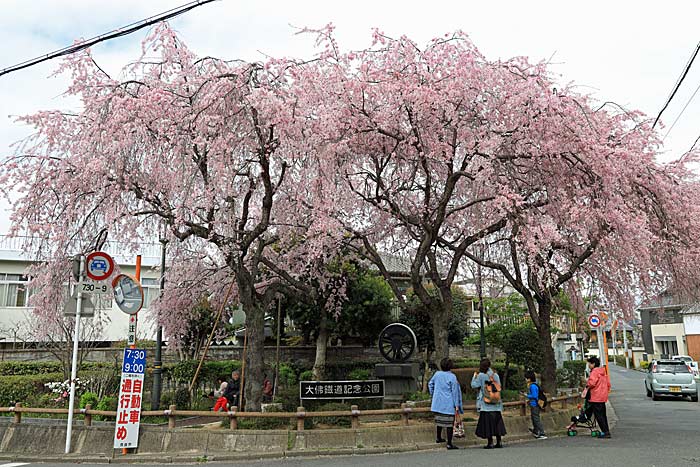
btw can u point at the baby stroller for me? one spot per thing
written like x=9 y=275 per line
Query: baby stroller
x=584 y=419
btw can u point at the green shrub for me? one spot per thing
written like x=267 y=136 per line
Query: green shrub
x=341 y=370
x=417 y=396
x=22 y=387
x=360 y=374
x=289 y=398
x=306 y=375
x=287 y=375
x=88 y=398
x=572 y=373
x=107 y=403
x=182 y=398
x=264 y=423
x=166 y=399
x=340 y=422
x=16 y=368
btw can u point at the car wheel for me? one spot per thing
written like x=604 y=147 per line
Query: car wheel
x=654 y=396
x=694 y=398
x=647 y=389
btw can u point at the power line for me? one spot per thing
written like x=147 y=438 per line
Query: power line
x=682 y=111
x=678 y=84
x=123 y=31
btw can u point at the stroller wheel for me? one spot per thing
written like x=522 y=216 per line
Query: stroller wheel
x=572 y=432
x=595 y=433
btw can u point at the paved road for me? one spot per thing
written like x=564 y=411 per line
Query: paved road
x=660 y=434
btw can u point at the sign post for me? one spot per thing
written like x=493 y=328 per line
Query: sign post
x=74 y=363
x=126 y=430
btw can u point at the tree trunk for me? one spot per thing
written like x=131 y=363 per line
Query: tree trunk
x=544 y=330
x=255 y=329
x=321 y=347
x=505 y=373
x=440 y=318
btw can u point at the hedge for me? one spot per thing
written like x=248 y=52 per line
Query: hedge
x=21 y=388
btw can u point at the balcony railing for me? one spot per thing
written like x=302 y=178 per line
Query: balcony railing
x=15 y=249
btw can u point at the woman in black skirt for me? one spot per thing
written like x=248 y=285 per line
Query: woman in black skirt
x=490 y=411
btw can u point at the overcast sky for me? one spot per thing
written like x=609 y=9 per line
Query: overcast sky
x=630 y=52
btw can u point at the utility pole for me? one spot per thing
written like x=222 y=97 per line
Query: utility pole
x=624 y=344
x=480 y=295
x=158 y=363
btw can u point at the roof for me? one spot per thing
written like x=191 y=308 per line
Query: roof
x=401 y=265
x=669 y=299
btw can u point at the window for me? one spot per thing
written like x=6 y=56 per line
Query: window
x=669 y=367
x=668 y=347
x=151 y=291
x=13 y=290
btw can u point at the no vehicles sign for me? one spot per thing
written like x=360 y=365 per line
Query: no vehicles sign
x=99 y=266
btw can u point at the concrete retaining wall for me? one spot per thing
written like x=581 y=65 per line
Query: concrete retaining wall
x=48 y=439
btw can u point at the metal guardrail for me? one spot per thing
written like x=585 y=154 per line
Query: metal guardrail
x=300 y=415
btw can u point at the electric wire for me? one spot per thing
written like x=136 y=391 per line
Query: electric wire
x=678 y=84
x=123 y=31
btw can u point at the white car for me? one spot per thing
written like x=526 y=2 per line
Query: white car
x=690 y=362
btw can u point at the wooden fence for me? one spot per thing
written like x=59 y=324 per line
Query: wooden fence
x=405 y=412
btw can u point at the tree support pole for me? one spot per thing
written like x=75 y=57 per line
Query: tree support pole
x=211 y=335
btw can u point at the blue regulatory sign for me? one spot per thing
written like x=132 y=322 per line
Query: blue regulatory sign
x=134 y=361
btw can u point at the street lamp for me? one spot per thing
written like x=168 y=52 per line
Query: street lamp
x=158 y=362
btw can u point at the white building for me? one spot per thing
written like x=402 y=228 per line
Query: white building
x=109 y=323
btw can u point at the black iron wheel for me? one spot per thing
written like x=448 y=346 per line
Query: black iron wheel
x=397 y=343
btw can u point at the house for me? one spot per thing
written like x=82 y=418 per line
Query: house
x=109 y=323
x=691 y=324
x=663 y=328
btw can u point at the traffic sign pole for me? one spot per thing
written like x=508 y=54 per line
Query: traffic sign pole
x=74 y=364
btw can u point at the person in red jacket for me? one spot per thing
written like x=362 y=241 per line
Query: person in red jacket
x=599 y=386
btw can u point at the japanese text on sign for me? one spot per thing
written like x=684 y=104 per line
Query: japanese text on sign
x=341 y=389
x=126 y=432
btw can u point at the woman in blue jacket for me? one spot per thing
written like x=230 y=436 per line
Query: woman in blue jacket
x=447 y=400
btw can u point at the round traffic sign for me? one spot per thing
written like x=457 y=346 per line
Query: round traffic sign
x=99 y=266
x=594 y=321
x=128 y=294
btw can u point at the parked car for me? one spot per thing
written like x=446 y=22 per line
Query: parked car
x=670 y=378
x=691 y=363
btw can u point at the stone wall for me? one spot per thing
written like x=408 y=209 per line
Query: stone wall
x=46 y=439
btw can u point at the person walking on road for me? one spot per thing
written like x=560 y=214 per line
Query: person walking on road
x=447 y=401
x=489 y=405
x=533 y=399
x=598 y=387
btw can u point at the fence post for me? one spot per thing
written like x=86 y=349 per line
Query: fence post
x=355 y=417
x=18 y=415
x=523 y=406
x=404 y=415
x=301 y=413
x=171 y=416
x=88 y=415
x=232 y=417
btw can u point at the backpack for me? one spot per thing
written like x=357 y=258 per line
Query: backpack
x=492 y=391
x=541 y=397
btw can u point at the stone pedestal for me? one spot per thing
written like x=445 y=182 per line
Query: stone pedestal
x=399 y=378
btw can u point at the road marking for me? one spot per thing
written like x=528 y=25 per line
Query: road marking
x=14 y=464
